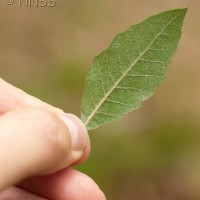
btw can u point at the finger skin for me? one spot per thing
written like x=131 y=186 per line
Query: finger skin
x=12 y=98
x=67 y=184
x=85 y=155
x=33 y=141
x=87 y=148
x=23 y=160
x=14 y=193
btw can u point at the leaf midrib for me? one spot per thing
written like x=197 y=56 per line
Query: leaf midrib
x=127 y=71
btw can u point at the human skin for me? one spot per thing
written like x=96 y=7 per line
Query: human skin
x=39 y=144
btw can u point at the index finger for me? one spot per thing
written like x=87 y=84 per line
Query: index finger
x=12 y=98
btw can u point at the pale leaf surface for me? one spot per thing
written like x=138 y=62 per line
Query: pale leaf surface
x=126 y=74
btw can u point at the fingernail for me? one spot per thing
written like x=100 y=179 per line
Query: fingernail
x=77 y=131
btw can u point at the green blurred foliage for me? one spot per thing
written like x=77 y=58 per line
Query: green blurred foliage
x=118 y=162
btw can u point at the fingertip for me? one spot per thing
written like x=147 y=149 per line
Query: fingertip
x=40 y=141
x=77 y=130
x=79 y=138
x=67 y=184
x=85 y=154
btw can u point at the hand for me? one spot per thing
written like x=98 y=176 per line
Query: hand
x=38 y=144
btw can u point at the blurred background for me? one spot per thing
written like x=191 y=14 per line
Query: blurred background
x=154 y=152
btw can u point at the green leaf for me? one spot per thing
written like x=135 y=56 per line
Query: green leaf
x=125 y=74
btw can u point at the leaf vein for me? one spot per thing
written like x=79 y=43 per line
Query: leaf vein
x=90 y=92
x=128 y=88
x=160 y=50
x=117 y=102
x=147 y=75
x=153 y=61
x=102 y=84
x=107 y=114
x=101 y=102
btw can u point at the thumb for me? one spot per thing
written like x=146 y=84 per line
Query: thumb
x=34 y=141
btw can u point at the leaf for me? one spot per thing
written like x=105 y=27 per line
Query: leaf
x=125 y=74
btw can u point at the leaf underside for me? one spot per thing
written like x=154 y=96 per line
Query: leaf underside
x=126 y=74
